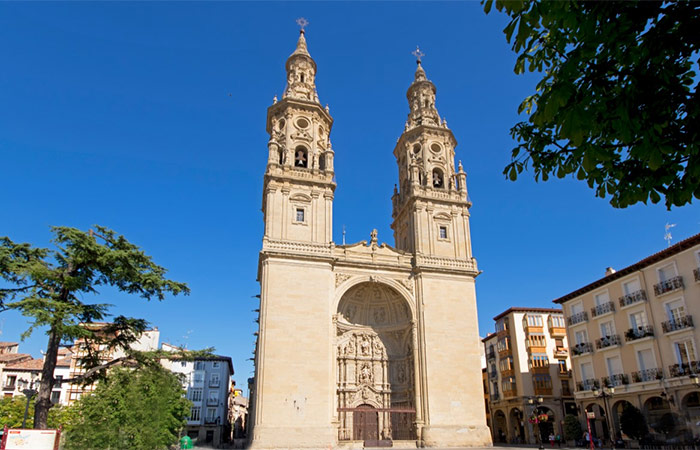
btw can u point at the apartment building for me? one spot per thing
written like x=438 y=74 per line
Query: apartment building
x=634 y=341
x=207 y=381
x=148 y=341
x=25 y=373
x=529 y=376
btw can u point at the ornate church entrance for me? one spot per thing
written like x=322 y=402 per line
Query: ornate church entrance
x=375 y=365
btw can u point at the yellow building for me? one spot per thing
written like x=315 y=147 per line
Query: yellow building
x=634 y=341
x=529 y=376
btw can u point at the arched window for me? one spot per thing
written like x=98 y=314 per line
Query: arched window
x=438 y=179
x=301 y=157
x=322 y=162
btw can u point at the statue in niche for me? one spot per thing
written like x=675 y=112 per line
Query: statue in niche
x=364 y=346
x=366 y=374
x=401 y=377
x=350 y=348
x=378 y=348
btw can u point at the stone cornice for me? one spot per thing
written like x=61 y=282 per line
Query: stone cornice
x=301 y=104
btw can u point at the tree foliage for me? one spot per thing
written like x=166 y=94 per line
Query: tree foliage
x=12 y=413
x=49 y=285
x=139 y=410
x=633 y=423
x=617 y=104
x=572 y=428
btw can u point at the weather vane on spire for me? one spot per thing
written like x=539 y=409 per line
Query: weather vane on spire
x=418 y=54
x=302 y=22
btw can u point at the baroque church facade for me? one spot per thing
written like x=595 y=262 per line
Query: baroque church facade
x=364 y=343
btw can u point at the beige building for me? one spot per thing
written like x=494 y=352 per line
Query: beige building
x=364 y=342
x=529 y=376
x=633 y=331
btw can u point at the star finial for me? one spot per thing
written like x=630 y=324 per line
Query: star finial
x=302 y=22
x=418 y=54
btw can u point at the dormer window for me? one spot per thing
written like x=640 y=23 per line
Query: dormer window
x=438 y=181
x=301 y=157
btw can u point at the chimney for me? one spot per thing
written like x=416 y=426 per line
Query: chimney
x=609 y=271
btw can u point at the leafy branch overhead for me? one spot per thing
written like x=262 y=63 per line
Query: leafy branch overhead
x=47 y=285
x=617 y=104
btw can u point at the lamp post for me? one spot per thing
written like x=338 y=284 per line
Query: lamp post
x=29 y=393
x=534 y=402
x=605 y=393
x=695 y=379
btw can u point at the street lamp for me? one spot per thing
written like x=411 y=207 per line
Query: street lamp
x=605 y=393
x=29 y=393
x=695 y=379
x=534 y=402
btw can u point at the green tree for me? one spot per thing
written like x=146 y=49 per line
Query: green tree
x=48 y=286
x=572 y=428
x=617 y=105
x=12 y=413
x=633 y=423
x=138 y=410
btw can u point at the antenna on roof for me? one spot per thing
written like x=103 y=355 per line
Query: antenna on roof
x=667 y=234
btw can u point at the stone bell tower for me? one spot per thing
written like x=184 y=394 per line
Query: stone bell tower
x=298 y=186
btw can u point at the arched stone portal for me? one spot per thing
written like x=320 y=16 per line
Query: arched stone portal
x=375 y=361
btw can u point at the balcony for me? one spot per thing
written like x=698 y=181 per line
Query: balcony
x=685 y=369
x=540 y=369
x=561 y=352
x=513 y=392
x=677 y=324
x=639 y=333
x=507 y=373
x=9 y=387
x=577 y=318
x=491 y=354
x=647 y=375
x=618 y=379
x=540 y=390
x=588 y=385
x=603 y=308
x=503 y=332
x=536 y=346
x=493 y=374
x=557 y=331
x=696 y=274
x=565 y=373
x=634 y=297
x=212 y=402
x=670 y=285
x=495 y=397
x=608 y=341
x=581 y=349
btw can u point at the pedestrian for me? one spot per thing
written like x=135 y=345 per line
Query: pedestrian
x=558 y=439
x=551 y=440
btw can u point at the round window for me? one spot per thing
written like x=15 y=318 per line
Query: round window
x=302 y=123
x=416 y=148
x=435 y=147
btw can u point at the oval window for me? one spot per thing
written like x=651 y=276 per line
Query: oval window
x=416 y=148
x=280 y=124
x=302 y=123
x=435 y=147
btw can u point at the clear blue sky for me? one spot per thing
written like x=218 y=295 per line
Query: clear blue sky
x=149 y=118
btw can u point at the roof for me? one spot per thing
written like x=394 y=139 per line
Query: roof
x=8 y=358
x=523 y=309
x=30 y=365
x=217 y=358
x=8 y=344
x=63 y=362
x=646 y=262
x=488 y=337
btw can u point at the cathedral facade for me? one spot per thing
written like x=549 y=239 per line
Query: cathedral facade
x=364 y=343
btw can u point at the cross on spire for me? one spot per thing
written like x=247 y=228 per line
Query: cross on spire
x=418 y=54
x=302 y=22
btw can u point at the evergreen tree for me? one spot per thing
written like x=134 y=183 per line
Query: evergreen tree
x=48 y=286
x=633 y=423
x=572 y=428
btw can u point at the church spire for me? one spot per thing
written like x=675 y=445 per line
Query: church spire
x=421 y=98
x=301 y=70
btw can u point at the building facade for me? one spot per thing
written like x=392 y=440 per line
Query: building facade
x=364 y=342
x=207 y=382
x=529 y=377
x=25 y=373
x=633 y=331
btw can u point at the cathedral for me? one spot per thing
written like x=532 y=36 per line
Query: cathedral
x=364 y=344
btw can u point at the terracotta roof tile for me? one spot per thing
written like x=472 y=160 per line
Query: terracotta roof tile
x=14 y=357
x=7 y=344
x=32 y=364
x=63 y=362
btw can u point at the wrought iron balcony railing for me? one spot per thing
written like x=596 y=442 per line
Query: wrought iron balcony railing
x=677 y=324
x=577 y=318
x=634 y=297
x=587 y=385
x=669 y=285
x=679 y=370
x=647 y=375
x=603 y=308
x=582 y=348
x=633 y=334
x=608 y=341
x=615 y=380
x=491 y=354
